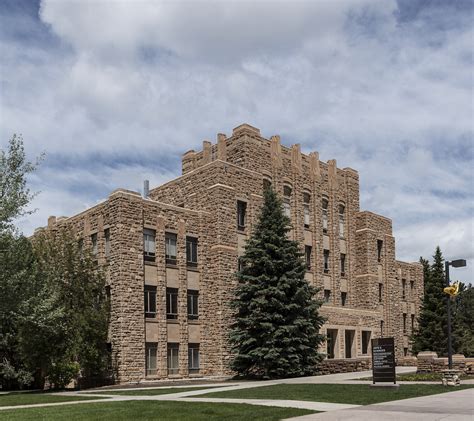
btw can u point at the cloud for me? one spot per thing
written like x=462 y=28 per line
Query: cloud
x=384 y=87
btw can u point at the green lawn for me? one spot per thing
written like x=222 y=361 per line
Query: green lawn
x=152 y=410
x=150 y=392
x=421 y=377
x=30 y=398
x=356 y=394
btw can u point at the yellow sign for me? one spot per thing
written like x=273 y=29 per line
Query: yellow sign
x=452 y=290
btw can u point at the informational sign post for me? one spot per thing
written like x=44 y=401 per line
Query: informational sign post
x=383 y=360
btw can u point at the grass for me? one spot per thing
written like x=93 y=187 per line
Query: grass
x=30 y=398
x=150 y=392
x=152 y=410
x=336 y=393
x=421 y=377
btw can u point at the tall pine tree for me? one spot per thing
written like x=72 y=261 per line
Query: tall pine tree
x=276 y=329
x=432 y=332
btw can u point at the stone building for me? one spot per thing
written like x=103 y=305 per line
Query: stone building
x=170 y=257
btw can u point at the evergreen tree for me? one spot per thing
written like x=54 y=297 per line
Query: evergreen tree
x=276 y=329
x=463 y=333
x=432 y=332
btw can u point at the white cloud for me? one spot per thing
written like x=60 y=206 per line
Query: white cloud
x=131 y=80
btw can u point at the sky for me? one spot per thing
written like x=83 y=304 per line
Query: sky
x=113 y=92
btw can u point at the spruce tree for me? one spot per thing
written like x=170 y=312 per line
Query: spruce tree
x=275 y=333
x=432 y=332
x=463 y=316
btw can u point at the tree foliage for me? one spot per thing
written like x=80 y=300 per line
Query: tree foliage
x=464 y=321
x=14 y=193
x=276 y=329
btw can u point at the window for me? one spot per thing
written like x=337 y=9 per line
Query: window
x=412 y=288
x=349 y=342
x=342 y=210
x=94 y=244
x=191 y=251
x=170 y=248
x=412 y=323
x=343 y=298
x=171 y=303
x=404 y=287
x=149 y=245
x=380 y=293
x=241 y=215
x=381 y=328
x=267 y=184
x=307 y=253
x=343 y=264
x=379 y=250
x=173 y=358
x=405 y=352
x=404 y=323
x=287 y=200
x=365 y=341
x=193 y=304
x=306 y=208
x=107 y=242
x=331 y=336
x=327 y=295
x=150 y=358
x=193 y=358
x=240 y=264
x=326 y=261
x=150 y=301
x=325 y=205
x=80 y=245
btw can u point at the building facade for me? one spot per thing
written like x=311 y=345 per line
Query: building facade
x=170 y=257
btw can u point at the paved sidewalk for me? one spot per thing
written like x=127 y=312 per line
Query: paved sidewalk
x=452 y=406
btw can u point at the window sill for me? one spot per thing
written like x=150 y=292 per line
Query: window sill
x=193 y=268
x=194 y=322
x=326 y=272
x=307 y=228
x=149 y=263
x=151 y=320
x=175 y=376
x=172 y=321
x=195 y=375
x=171 y=265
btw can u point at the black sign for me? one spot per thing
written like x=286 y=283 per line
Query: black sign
x=383 y=360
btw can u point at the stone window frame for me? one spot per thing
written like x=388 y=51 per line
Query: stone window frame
x=343 y=298
x=193 y=304
x=365 y=343
x=327 y=295
x=342 y=262
x=172 y=358
x=194 y=360
x=149 y=244
x=404 y=289
x=172 y=302
x=341 y=212
x=242 y=206
x=332 y=341
x=266 y=182
x=326 y=261
x=151 y=355
x=150 y=301
x=95 y=244
x=287 y=194
x=192 y=251
x=380 y=292
x=306 y=208
x=308 y=250
x=379 y=250
x=171 y=259
x=107 y=247
x=325 y=213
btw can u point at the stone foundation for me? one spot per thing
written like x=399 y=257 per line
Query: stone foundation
x=429 y=362
x=333 y=366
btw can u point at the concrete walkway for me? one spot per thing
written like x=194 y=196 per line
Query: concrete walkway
x=452 y=406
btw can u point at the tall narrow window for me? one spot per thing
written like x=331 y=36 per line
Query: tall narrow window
x=331 y=340
x=380 y=293
x=173 y=358
x=404 y=287
x=365 y=341
x=170 y=248
x=306 y=209
x=191 y=251
x=94 y=244
x=307 y=253
x=412 y=289
x=342 y=210
x=267 y=184
x=149 y=245
x=193 y=358
x=325 y=205
x=405 y=352
x=171 y=303
x=343 y=264
x=107 y=242
x=193 y=304
x=412 y=323
x=241 y=215
x=150 y=301
x=343 y=298
x=381 y=328
x=150 y=358
x=326 y=261
x=327 y=295
x=404 y=323
x=379 y=250
x=287 y=201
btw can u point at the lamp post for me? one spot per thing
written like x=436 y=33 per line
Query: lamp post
x=455 y=264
